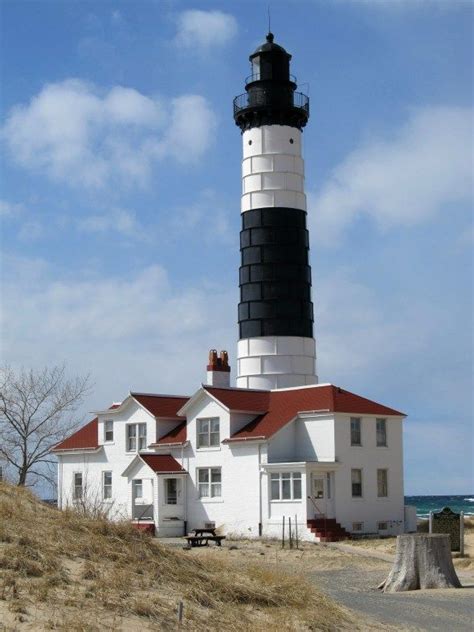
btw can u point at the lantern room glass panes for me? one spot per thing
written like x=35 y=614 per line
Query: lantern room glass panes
x=255 y=68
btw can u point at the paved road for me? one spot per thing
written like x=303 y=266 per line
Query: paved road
x=433 y=610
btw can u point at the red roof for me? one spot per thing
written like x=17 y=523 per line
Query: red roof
x=283 y=406
x=161 y=405
x=162 y=463
x=241 y=399
x=177 y=435
x=86 y=438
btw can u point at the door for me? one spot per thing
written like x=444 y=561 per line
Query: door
x=142 y=499
x=171 y=498
x=318 y=494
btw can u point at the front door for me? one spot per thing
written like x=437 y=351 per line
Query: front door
x=142 y=499
x=318 y=494
x=321 y=499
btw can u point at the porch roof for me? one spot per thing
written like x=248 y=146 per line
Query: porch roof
x=162 y=463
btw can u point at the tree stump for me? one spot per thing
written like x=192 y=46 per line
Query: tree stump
x=421 y=561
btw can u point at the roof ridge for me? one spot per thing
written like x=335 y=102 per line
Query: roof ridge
x=237 y=388
x=133 y=393
x=300 y=388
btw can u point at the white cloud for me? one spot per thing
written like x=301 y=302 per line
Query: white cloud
x=80 y=135
x=138 y=331
x=116 y=220
x=10 y=209
x=205 y=30
x=404 y=179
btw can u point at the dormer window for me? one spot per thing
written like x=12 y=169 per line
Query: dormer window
x=108 y=431
x=208 y=434
x=136 y=437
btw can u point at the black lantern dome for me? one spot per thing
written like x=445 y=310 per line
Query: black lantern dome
x=271 y=97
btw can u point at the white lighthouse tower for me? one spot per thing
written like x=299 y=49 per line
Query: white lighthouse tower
x=276 y=347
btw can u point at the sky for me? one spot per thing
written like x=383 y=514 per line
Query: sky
x=120 y=199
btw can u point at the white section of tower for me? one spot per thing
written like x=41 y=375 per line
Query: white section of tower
x=273 y=176
x=272 y=362
x=272 y=168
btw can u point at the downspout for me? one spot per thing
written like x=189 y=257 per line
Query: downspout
x=260 y=508
x=60 y=482
x=185 y=495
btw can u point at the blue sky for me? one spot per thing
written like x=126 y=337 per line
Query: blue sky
x=121 y=184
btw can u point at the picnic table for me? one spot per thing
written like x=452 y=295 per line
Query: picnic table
x=202 y=537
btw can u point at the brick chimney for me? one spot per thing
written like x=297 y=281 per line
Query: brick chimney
x=218 y=369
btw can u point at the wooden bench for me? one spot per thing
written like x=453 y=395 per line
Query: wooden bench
x=203 y=540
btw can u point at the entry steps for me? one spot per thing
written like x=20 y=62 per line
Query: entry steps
x=327 y=530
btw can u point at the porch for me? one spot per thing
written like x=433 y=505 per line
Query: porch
x=303 y=492
x=157 y=492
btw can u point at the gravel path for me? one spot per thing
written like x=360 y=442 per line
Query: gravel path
x=433 y=610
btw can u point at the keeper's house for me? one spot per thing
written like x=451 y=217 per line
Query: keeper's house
x=242 y=459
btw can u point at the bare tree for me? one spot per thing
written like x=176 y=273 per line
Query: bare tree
x=37 y=411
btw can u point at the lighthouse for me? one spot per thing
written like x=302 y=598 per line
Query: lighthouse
x=276 y=347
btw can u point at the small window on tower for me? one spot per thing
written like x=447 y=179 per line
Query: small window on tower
x=250 y=142
x=291 y=141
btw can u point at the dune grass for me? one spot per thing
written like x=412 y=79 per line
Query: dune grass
x=62 y=570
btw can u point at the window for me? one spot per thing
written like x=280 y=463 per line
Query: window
x=208 y=433
x=381 y=432
x=109 y=430
x=328 y=484
x=356 y=478
x=357 y=526
x=134 y=432
x=171 y=491
x=77 y=491
x=106 y=485
x=355 y=431
x=137 y=488
x=285 y=486
x=382 y=526
x=382 y=487
x=209 y=482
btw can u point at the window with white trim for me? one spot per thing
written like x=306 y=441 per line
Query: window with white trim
x=356 y=481
x=136 y=437
x=356 y=431
x=381 y=432
x=171 y=491
x=107 y=485
x=208 y=432
x=357 y=526
x=108 y=430
x=137 y=488
x=382 y=483
x=382 y=526
x=209 y=482
x=77 y=486
x=285 y=485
